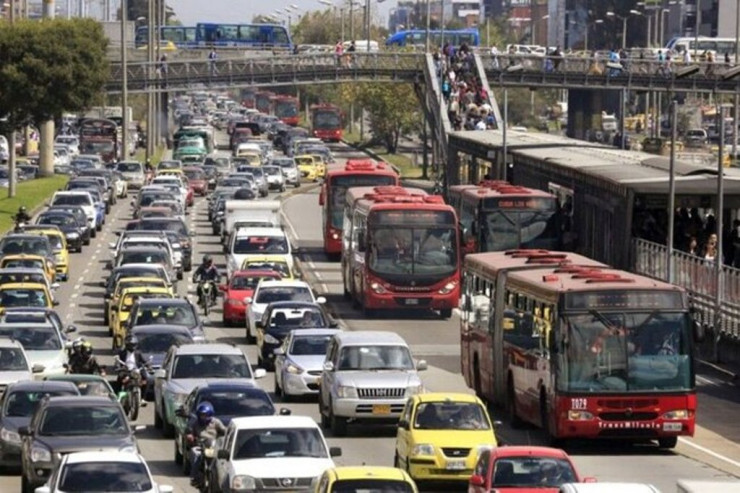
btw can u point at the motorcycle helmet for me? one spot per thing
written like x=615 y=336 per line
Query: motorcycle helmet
x=86 y=348
x=207 y=260
x=22 y=210
x=77 y=345
x=205 y=412
x=131 y=343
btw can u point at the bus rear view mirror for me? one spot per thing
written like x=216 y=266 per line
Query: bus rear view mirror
x=699 y=332
x=551 y=341
x=361 y=241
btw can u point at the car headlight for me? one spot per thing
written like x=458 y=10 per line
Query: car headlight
x=377 y=287
x=10 y=436
x=677 y=414
x=129 y=449
x=423 y=449
x=271 y=339
x=243 y=483
x=579 y=415
x=294 y=369
x=73 y=236
x=40 y=454
x=346 y=392
x=448 y=288
x=414 y=389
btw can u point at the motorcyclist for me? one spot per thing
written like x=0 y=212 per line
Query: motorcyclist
x=74 y=354
x=129 y=358
x=85 y=362
x=204 y=427
x=21 y=217
x=206 y=272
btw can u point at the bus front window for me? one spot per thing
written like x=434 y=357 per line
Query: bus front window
x=519 y=229
x=618 y=352
x=417 y=251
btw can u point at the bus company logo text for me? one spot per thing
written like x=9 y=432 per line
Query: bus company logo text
x=629 y=424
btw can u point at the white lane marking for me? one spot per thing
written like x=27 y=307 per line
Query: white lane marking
x=71 y=305
x=707 y=381
x=290 y=225
x=94 y=257
x=318 y=275
x=84 y=272
x=74 y=295
x=709 y=452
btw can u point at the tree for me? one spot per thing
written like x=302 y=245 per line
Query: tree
x=50 y=67
x=393 y=111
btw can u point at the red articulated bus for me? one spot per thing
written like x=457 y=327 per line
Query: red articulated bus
x=579 y=348
x=355 y=173
x=400 y=250
x=263 y=101
x=327 y=122
x=248 y=98
x=287 y=108
x=497 y=216
x=100 y=136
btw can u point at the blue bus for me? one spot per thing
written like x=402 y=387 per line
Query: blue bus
x=206 y=35
x=418 y=37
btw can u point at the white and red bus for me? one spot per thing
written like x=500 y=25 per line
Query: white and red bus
x=579 y=348
x=355 y=173
x=288 y=109
x=400 y=250
x=327 y=122
x=263 y=101
x=497 y=216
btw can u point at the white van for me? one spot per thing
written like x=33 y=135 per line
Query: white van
x=361 y=46
x=608 y=488
x=247 y=213
x=699 y=486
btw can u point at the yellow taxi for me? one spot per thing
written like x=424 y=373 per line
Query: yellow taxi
x=308 y=167
x=253 y=158
x=170 y=172
x=132 y=282
x=128 y=297
x=26 y=294
x=440 y=435
x=33 y=261
x=278 y=263
x=364 y=478
x=320 y=165
x=61 y=251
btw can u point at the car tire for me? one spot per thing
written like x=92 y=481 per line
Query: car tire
x=250 y=338
x=178 y=455
x=168 y=431
x=25 y=485
x=325 y=424
x=86 y=242
x=667 y=442
x=277 y=390
x=179 y=276
x=157 y=419
x=338 y=424
x=93 y=233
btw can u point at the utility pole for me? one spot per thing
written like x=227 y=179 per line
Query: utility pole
x=12 y=179
x=124 y=70
x=150 y=125
x=736 y=103
x=46 y=129
x=429 y=16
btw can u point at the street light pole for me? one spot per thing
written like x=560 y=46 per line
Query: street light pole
x=736 y=101
x=367 y=24
x=429 y=15
x=624 y=33
x=124 y=70
x=697 y=21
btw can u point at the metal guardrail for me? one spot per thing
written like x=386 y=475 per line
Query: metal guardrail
x=437 y=108
x=275 y=70
x=698 y=277
x=480 y=71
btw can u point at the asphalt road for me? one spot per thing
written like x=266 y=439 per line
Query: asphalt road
x=713 y=453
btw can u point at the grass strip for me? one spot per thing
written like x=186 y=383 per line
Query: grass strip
x=31 y=194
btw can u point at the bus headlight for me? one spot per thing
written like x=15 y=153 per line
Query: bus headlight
x=378 y=288
x=677 y=414
x=579 y=415
x=447 y=289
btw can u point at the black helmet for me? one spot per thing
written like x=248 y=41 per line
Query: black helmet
x=132 y=342
x=207 y=259
x=22 y=209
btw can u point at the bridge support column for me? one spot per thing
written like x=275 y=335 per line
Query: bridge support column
x=585 y=107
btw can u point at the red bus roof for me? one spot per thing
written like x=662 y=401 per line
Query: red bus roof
x=324 y=106
x=491 y=263
x=362 y=167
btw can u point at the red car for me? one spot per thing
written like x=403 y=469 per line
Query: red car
x=242 y=285
x=197 y=179
x=523 y=470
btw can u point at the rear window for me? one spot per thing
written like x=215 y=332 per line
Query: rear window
x=72 y=200
x=129 y=167
x=260 y=244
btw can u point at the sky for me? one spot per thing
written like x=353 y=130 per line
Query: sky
x=190 y=12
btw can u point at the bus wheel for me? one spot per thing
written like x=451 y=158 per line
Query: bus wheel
x=445 y=313
x=514 y=420
x=667 y=442
x=545 y=418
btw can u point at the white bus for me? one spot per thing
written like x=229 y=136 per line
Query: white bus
x=719 y=46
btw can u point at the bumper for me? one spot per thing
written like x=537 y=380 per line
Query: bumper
x=10 y=454
x=433 y=469
x=275 y=185
x=235 y=313
x=38 y=474
x=303 y=384
x=429 y=301
x=74 y=244
x=62 y=272
x=388 y=410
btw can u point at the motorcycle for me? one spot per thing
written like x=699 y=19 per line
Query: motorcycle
x=207 y=296
x=208 y=455
x=129 y=396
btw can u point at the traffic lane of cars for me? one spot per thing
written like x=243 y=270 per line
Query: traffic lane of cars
x=650 y=466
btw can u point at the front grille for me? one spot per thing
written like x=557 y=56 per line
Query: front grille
x=315 y=373
x=313 y=386
x=626 y=403
x=455 y=452
x=625 y=416
x=382 y=393
x=286 y=483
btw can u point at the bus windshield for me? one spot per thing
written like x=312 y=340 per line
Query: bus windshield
x=506 y=229
x=326 y=120
x=618 y=352
x=422 y=250
x=338 y=189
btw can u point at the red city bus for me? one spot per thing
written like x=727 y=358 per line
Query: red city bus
x=579 y=348
x=287 y=108
x=100 y=136
x=263 y=101
x=326 y=122
x=400 y=250
x=497 y=216
x=248 y=98
x=355 y=173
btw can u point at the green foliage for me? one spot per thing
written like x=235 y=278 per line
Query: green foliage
x=325 y=27
x=30 y=194
x=50 y=67
x=392 y=109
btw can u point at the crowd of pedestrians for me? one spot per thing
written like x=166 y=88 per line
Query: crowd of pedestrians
x=467 y=101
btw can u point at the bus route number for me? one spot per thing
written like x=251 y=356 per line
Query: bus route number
x=579 y=403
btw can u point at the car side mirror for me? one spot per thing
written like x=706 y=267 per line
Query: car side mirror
x=55 y=286
x=278 y=351
x=223 y=454
x=165 y=488
x=24 y=431
x=477 y=480
x=54 y=303
x=38 y=368
x=180 y=412
x=139 y=428
x=160 y=373
x=335 y=451
x=248 y=300
x=260 y=373
x=421 y=365
x=403 y=424
x=46 y=489
x=328 y=366
x=112 y=246
x=333 y=324
x=284 y=411
x=321 y=300
x=70 y=329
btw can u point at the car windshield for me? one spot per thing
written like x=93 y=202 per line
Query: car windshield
x=148 y=198
x=152 y=314
x=145 y=257
x=129 y=168
x=57 y=220
x=279 y=442
x=506 y=229
x=94 y=388
x=274 y=294
x=305 y=318
x=409 y=251
x=161 y=343
x=383 y=357
x=371 y=486
x=28 y=246
x=32 y=263
x=450 y=416
x=23 y=297
x=72 y=200
x=155 y=225
x=242 y=283
x=272 y=170
x=313 y=345
x=239 y=403
x=338 y=192
x=33 y=338
x=8 y=277
x=532 y=472
x=194 y=174
x=280 y=267
x=260 y=244
x=22 y=403
x=56 y=242
x=94 y=477
x=211 y=366
x=618 y=352
x=12 y=359
x=83 y=420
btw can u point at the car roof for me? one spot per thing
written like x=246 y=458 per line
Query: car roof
x=527 y=450
x=82 y=400
x=274 y=422
x=610 y=487
x=255 y=273
x=207 y=348
x=103 y=456
x=23 y=285
x=370 y=337
x=252 y=231
x=293 y=304
x=284 y=283
x=314 y=332
x=138 y=266
x=160 y=329
x=166 y=301
x=43 y=385
x=369 y=472
x=448 y=396
x=226 y=384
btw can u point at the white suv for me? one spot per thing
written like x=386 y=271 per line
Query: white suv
x=250 y=242
x=266 y=453
x=81 y=199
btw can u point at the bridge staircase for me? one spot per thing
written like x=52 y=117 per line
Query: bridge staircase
x=435 y=113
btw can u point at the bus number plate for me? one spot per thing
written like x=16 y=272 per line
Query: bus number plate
x=412 y=301
x=672 y=427
x=579 y=403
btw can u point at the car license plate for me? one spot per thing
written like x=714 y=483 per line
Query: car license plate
x=455 y=465
x=381 y=409
x=672 y=426
x=412 y=301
